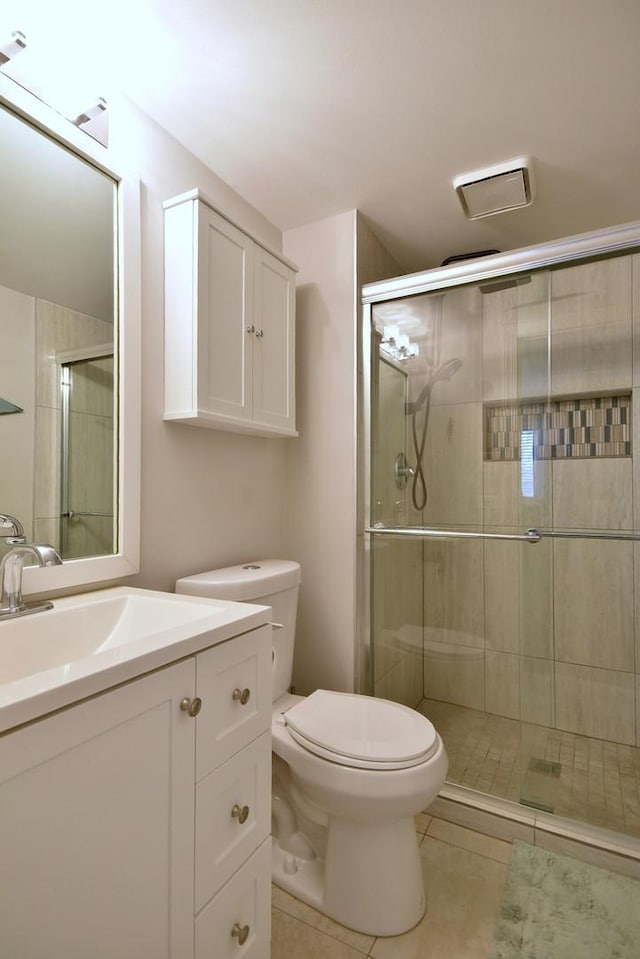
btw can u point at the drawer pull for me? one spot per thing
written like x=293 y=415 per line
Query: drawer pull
x=241 y=933
x=191 y=706
x=241 y=813
x=241 y=695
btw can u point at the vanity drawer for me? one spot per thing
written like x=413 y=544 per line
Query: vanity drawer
x=233 y=681
x=233 y=816
x=241 y=908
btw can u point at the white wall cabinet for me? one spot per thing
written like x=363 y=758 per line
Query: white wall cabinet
x=229 y=324
x=114 y=844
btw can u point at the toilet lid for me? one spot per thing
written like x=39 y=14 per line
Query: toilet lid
x=361 y=731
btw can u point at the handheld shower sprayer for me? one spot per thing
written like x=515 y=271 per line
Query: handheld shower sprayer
x=445 y=371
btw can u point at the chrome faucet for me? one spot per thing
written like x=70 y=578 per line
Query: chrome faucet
x=15 y=529
x=11 y=566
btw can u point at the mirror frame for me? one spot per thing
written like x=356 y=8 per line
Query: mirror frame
x=126 y=560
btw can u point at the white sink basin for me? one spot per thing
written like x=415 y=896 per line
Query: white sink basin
x=92 y=641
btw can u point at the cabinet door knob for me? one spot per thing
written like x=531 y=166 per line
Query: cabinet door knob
x=191 y=706
x=241 y=695
x=241 y=813
x=241 y=933
x=250 y=329
x=259 y=332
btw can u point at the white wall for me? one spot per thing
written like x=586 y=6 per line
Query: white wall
x=321 y=466
x=208 y=498
x=335 y=257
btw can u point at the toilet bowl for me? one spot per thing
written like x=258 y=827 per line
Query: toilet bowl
x=350 y=773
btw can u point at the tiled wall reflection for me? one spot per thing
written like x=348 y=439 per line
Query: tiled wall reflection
x=61 y=331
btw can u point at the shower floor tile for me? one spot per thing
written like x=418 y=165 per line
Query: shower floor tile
x=597 y=782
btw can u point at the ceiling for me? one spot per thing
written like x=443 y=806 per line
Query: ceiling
x=312 y=107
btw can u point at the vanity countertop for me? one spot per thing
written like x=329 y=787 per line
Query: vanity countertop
x=92 y=641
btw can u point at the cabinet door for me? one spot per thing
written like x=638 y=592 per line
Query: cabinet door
x=96 y=827
x=274 y=343
x=225 y=337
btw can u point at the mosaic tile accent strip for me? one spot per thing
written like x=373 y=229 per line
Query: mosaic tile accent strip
x=579 y=428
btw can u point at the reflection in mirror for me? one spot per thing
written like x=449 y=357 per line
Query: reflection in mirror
x=59 y=351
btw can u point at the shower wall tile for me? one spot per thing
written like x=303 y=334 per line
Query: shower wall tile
x=100 y=463
x=47 y=456
x=596 y=702
x=403 y=681
x=635 y=312
x=593 y=603
x=397 y=584
x=518 y=596
x=593 y=494
x=460 y=338
x=504 y=501
x=47 y=530
x=501 y=596
x=636 y=459
x=60 y=330
x=636 y=580
x=453 y=465
x=99 y=535
x=454 y=674
x=93 y=388
x=591 y=346
x=502 y=684
x=454 y=592
x=536 y=599
x=515 y=344
x=536 y=691
x=389 y=439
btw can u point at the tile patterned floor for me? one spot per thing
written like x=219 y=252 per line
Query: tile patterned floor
x=464 y=874
x=573 y=776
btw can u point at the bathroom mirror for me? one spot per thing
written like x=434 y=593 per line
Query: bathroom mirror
x=69 y=345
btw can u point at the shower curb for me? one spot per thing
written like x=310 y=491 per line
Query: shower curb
x=507 y=820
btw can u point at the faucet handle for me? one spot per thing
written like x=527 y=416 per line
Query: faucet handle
x=14 y=527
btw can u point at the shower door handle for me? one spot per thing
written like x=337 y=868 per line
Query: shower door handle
x=531 y=535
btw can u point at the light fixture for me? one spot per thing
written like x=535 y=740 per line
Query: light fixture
x=496 y=189
x=397 y=345
x=12 y=47
x=96 y=108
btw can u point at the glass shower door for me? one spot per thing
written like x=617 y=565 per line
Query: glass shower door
x=513 y=398
x=87 y=453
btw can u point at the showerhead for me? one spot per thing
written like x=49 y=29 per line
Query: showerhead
x=504 y=284
x=447 y=370
x=444 y=372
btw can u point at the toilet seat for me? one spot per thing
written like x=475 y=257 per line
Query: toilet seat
x=361 y=731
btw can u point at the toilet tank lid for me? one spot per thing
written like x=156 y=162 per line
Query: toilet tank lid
x=247 y=581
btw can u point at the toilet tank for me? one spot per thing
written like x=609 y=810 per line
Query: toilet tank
x=268 y=582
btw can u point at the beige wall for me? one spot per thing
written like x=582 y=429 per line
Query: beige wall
x=321 y=464
x=335 y=256
x=208 y=498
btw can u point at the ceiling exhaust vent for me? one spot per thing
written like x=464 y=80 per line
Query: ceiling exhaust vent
x=496 y=189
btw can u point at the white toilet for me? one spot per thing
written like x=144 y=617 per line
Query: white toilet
x=349 y=775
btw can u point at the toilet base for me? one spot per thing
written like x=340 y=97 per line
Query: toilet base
x=370 y=881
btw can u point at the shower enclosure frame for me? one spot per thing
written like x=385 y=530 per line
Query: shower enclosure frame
x=566 y=251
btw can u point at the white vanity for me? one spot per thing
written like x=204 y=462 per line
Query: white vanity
x=135 y=766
